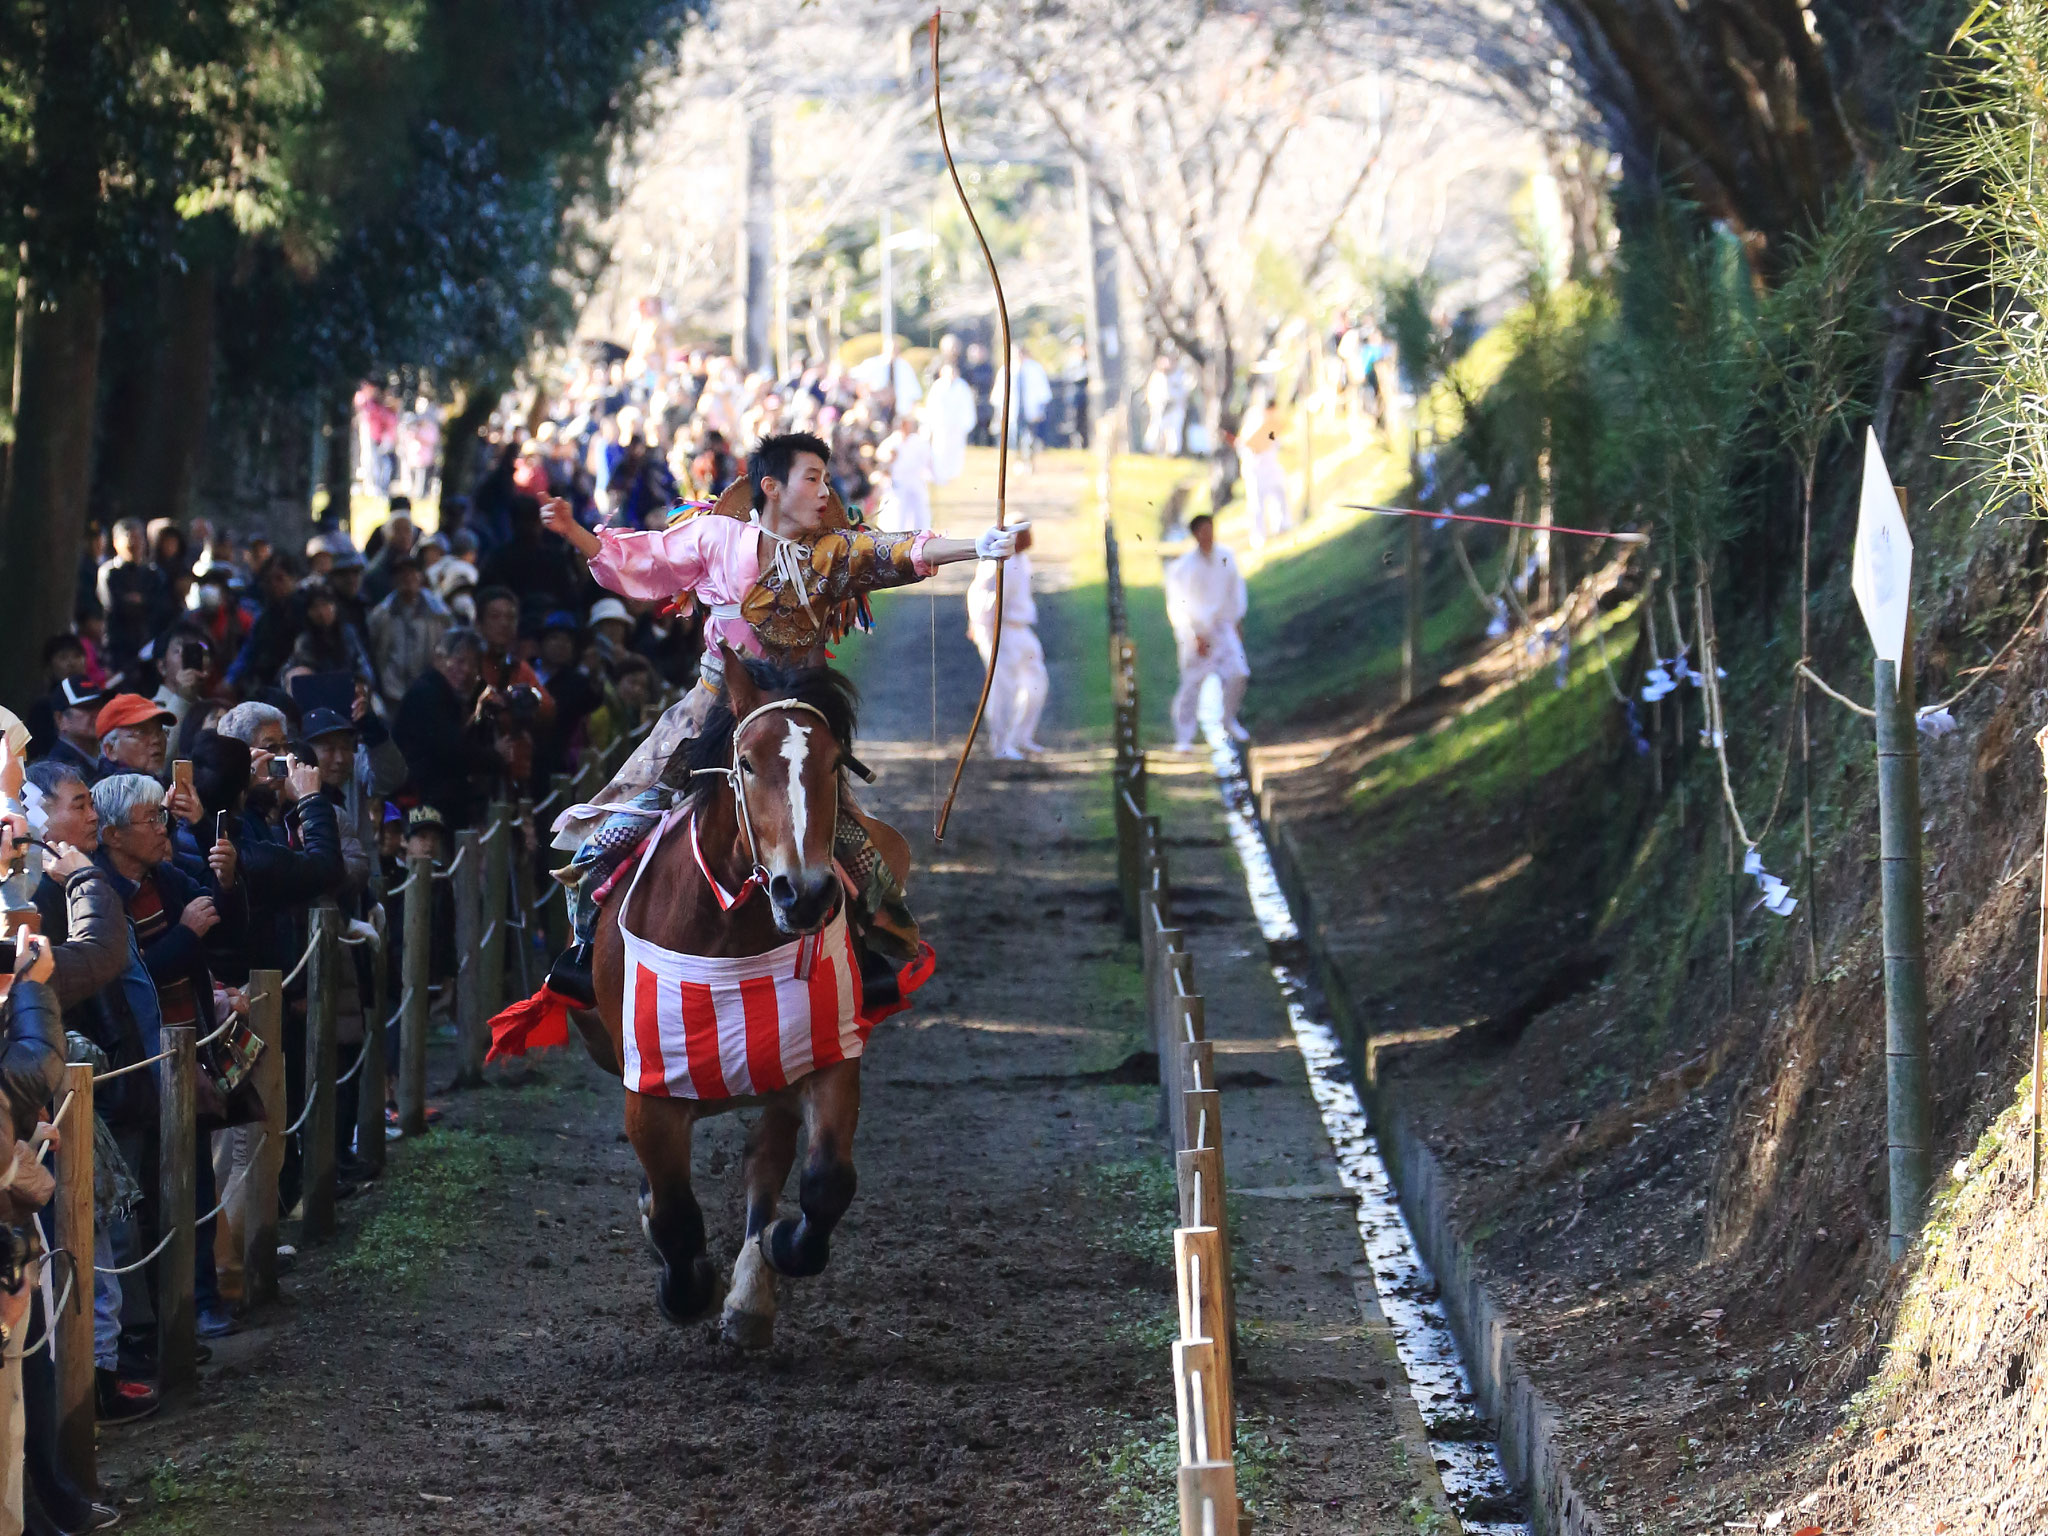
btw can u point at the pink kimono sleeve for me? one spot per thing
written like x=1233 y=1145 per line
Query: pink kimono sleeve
x=655 y=565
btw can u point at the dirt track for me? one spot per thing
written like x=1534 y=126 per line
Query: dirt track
x=987 y=1351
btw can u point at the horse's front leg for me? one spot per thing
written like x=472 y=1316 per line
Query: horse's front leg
x=831 y=1099
x=749 y=1318
x=659 y=1130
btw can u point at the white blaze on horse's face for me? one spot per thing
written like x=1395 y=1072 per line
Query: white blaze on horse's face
x=796 y=835
x=796 y=745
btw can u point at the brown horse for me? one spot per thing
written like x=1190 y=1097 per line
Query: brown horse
x=765 y=800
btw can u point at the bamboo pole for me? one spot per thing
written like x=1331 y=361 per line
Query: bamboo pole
x=416 y=962
x=73 y=1326
x=177 y=1319
x=259 y=1197
x=1907 y=1111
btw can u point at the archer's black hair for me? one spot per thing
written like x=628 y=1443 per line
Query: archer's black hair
x=831 y=693
x=774 y=457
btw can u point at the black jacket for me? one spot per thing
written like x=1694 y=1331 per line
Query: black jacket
x=93 y=947
x=443 y=755
x=31 y=1053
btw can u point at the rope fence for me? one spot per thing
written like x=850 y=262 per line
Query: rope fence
x=492 y=896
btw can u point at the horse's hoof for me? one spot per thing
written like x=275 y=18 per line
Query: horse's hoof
x=682 y=1303
x=747 y=1330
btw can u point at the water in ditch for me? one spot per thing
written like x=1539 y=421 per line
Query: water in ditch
x=1467 y=1457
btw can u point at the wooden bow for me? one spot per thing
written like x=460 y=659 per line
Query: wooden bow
x=1002 y=439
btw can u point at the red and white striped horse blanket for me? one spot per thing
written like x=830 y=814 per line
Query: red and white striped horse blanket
x=698 y=1027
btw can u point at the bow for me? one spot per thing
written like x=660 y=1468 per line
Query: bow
x=1002 y=440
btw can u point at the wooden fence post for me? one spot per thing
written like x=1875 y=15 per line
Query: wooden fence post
x=176 y=1318
x=555 y=912
x=259 y=1230
x=519 y=899
x=374 y=1086
x=414 y=980
x=1201 y=1279
x=469 y=962
x=73 y=1324
x=497 y=876
x=316 y=1136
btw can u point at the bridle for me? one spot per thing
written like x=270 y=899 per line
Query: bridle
x=731 y=774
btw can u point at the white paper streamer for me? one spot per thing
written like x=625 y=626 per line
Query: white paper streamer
x=1777 y=896
x=1935 y=722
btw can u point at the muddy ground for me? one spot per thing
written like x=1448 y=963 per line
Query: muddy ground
x=987 y=1351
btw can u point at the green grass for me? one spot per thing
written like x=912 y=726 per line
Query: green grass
x=1522 y=733
x=1139 y=1203
x=428 y=1202
x=1142 y=1472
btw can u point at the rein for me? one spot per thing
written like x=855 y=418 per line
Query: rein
x=731 y=774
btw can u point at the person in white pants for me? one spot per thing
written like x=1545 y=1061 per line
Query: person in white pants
x=1205 y=604
x=1265 y=483
x=1017 y=697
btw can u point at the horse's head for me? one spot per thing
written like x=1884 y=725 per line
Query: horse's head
x=786 y=755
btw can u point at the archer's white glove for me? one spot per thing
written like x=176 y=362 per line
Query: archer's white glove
x=999 y=543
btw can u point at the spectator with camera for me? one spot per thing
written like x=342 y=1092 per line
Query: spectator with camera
x=173 y=911
x=453 y=738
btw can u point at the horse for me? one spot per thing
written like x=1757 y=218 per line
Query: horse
x=744 y=867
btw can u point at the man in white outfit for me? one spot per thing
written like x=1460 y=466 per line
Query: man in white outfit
x=1017 y=697
x=949 y=414
x=905 y=455
x=1205 y=604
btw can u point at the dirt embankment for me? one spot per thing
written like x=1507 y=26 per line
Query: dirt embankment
x=1669 y=1142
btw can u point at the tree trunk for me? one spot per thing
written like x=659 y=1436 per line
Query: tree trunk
x=156 y=475
x=1104 y=328
x=49 y=473
x=757 y=235
x=458 y=443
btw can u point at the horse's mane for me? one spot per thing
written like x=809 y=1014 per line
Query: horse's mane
x=831 y=693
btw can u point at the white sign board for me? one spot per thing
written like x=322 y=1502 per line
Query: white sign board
x=1882 y=576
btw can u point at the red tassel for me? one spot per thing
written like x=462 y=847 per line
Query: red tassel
x=913 y=974
x=539 y=1022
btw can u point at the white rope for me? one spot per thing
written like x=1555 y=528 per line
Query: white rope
x=57 y=1119
x=63 y=1300
x=149 y=1257
x=241 y=1174
x=362 y=1056
x=361 y=939
x=461 y=854
x=226 y=1025
x=555 y=888
x=311 y=1099
x=402 y=886
x=1815 y=678
x=489 y=934
x=496 y=828
x=135 y=1066
x=541 y=805
x=311 y=944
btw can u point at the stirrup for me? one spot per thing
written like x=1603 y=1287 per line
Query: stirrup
x=570 y=976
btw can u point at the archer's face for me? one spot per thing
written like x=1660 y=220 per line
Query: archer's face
x=800 y=500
